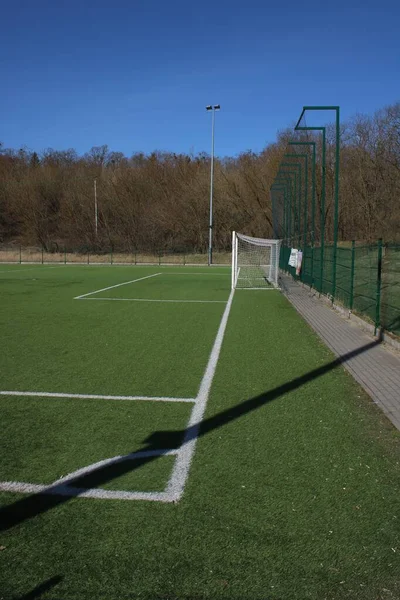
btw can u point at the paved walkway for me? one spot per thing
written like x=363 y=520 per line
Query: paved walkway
x=373 y=365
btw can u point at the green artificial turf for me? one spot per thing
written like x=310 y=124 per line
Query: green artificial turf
x=53 y=343
x=45 y=439
x=293 y=492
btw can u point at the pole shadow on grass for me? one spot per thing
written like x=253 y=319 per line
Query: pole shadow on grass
x=42 y=588
x=31 y=506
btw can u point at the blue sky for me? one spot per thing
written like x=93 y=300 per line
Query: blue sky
x=138 y=75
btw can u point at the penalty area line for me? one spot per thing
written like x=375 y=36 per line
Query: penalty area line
x=115 y=286
x=223 y=274
x=157 y=300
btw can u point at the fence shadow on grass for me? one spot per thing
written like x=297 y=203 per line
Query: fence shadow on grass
x=36 y=504
x=42 y=588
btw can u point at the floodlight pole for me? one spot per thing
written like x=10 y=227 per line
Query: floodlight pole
x=95 y=207
x=213 y=108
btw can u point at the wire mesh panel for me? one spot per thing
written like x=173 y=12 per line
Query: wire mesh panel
x=328 y=270
x=307 y=268
x=390 y=303
x=365 y=280
x=255 y=262
x=344 y=266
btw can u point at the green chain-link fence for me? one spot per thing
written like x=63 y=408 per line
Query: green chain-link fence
x=367 y=279
x=305 y=207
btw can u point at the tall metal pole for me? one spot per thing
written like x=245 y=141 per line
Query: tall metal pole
x=95 y=207
x=336 y=211
x=322 y=216
x=211 y=190
x=210 y=236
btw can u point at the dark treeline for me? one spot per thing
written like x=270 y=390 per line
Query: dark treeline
x=160 y=202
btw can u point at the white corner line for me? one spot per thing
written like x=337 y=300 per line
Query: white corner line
x=98 y=493
x=112 y=461
x=180 y=472
x=115 y=286
x=157 y=300
x=64 y=486
x=94 y=396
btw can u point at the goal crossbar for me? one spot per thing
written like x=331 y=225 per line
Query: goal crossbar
x=255 y=262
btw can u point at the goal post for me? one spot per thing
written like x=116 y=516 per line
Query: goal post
x=255 y=262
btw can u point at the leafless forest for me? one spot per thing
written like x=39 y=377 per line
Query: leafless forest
x=160 y=202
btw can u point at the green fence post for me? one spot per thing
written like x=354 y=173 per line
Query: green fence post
x=378 y=287
x=313 y=215
x=336 y=210
x=135 y=257
x=322 y=215
x=305 y=225
x=42 y=254
x=20 y=254
x=353 y=256
x=184 y=259
x=159 y=259
x=65 y=255
x=88 y=257
x=111 y=256
x=299 y=209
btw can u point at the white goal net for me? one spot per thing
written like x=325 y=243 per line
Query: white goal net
x=255 y=262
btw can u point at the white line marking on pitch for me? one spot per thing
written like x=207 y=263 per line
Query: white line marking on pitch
x=202 y=273
x=184 y=454
x=115 y=286
x=94 y=396
x=65 y=490
x=155 y=300
x=180 y=472
x=112 y=461
x=64 y=486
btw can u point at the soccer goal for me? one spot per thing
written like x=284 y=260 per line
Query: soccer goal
x=255 y=262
